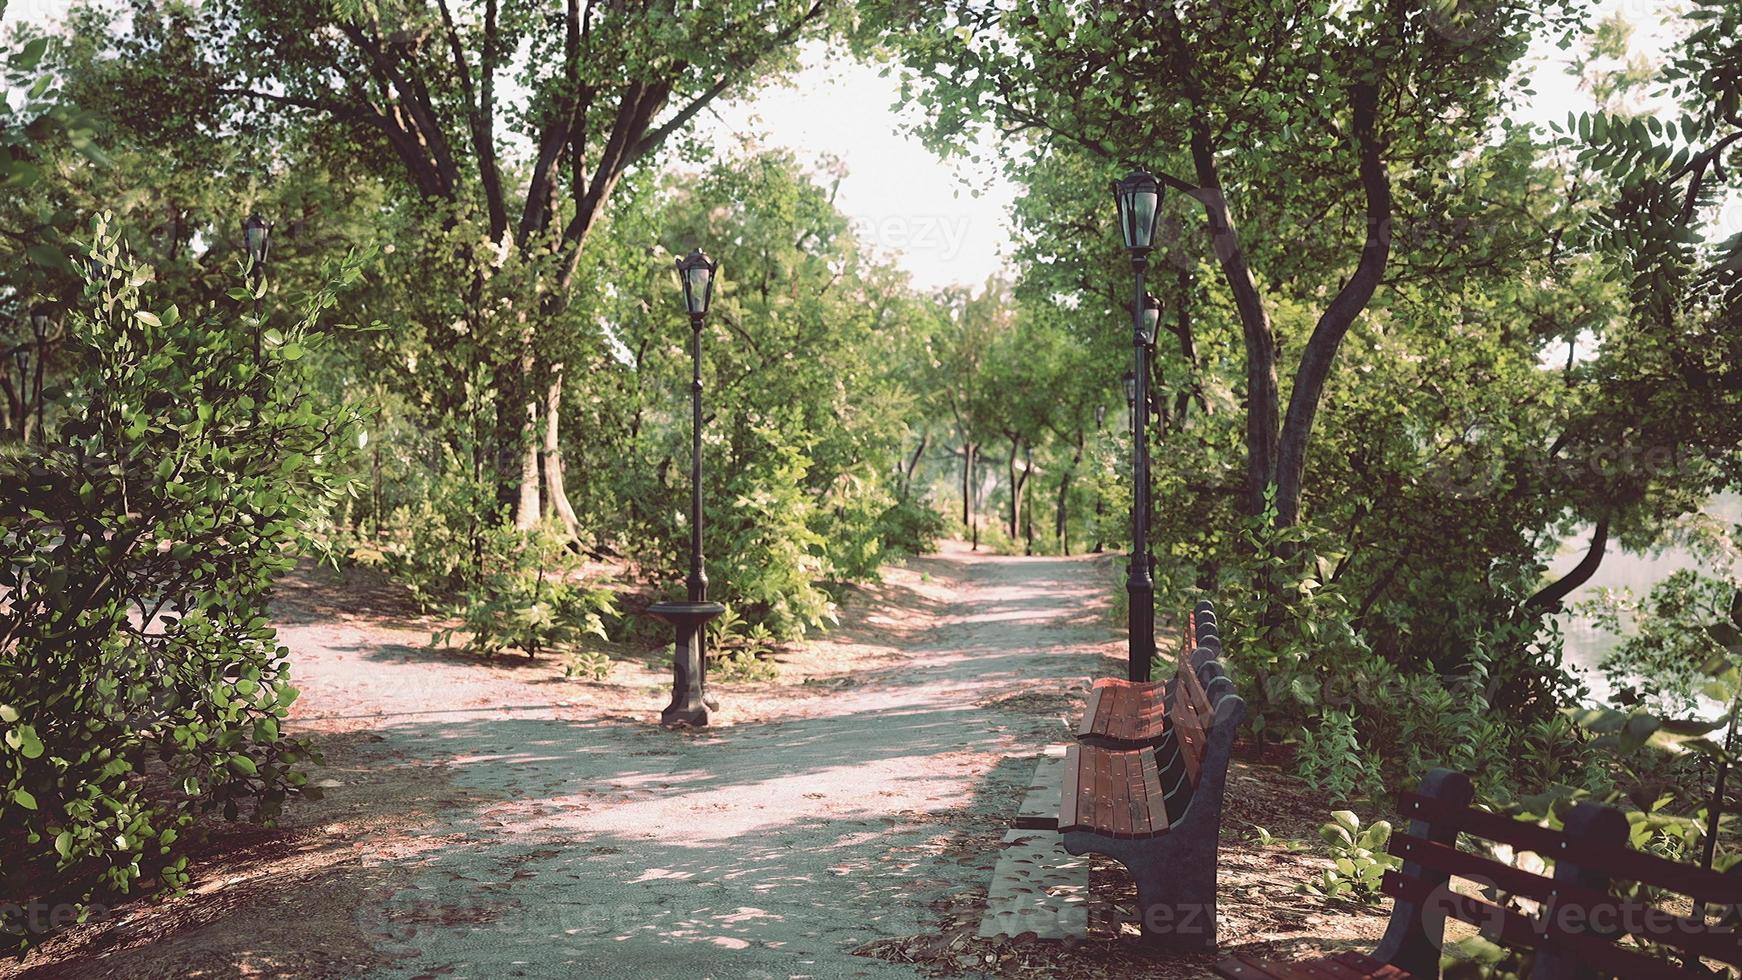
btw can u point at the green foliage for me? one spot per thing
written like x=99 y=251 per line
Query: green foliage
x=588 y=664
x=769 y=569
x=1330 y=759
x=434 y=545
x=911 y=527
x=740 y=650
x=1358 y=860
x=1685 y=646
x=145 y=684
x=1266 y=839
x=527 y=598
x=742 y=665
x=1676 y=643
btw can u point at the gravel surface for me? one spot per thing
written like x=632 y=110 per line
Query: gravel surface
x=492 y=818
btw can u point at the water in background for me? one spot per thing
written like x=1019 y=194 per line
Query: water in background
x=1586 y=644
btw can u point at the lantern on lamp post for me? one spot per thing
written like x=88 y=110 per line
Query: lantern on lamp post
x=256 y=238
x=690 y=704
x=1138 y=197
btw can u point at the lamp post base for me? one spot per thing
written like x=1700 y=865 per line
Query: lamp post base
x=1141 y=623
x=690 y=704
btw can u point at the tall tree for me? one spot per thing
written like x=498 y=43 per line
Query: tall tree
x=1282 y=110
x=511 y=122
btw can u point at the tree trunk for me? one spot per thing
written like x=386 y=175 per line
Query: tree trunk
x=557 y=495
x=913 y=465
x=968 y=489
x=1027 y=512
x=1333 y=325
x=1015 y=490
x=1061 y=516
x=1261 y=385
x=974 y=497
x=1549 y=599
x=527 y=509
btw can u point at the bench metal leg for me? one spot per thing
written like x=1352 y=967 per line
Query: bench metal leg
x=1176 y=884
x=1176 y=872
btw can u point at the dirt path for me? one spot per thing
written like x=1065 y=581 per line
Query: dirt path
x=485 y=820
x=768 y=849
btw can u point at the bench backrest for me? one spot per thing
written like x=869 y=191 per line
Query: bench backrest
x=1578 y=922
x=1202 y=713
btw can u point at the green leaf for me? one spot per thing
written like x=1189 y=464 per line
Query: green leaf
x=23 y=798
x=149 y=319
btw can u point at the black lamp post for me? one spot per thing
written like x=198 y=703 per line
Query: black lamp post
x=690 y=704
x=1139 y=199
x=256 y=238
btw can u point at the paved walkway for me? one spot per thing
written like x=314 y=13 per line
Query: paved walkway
x=766 y=850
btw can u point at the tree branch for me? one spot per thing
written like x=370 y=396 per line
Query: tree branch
x=1549 y=599
x=1334 y=323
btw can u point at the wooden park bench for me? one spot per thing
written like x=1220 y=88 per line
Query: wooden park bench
x=1577 y=927
x=1122 y=714
x=1146 y=790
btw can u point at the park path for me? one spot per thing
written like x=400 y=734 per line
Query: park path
x=567 y=846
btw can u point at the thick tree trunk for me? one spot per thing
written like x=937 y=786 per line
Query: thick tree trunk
x=1333 y=325
x=1015 y=490
x=1261 y=385
x=557 y=498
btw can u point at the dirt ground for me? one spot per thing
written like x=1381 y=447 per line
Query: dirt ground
x=488 y=818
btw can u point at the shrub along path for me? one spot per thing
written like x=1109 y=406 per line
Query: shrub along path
x=493 y=819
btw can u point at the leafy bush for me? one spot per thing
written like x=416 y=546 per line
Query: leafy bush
x=1307 y=668
x=742 y=665
x=433 y=546
x=589 y=664
x=526 y=598
x=1330 y=759
x=764 y=559
x=1358 y=860
x=144 y=684
x=911 y=527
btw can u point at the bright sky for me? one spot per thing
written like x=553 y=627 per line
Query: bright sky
x=941 y=225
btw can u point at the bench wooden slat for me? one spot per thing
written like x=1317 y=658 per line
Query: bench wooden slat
x=1113 y=792
x=1621 y=862
x=1515 y=929
x=1090 y=710
x=1103 y=783
x=1070 y=787
x=1120 y=712
x=1118 y=796
x=1153 y=794
x=1582 y=904
x=1188 y=732
x=1194 y=690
